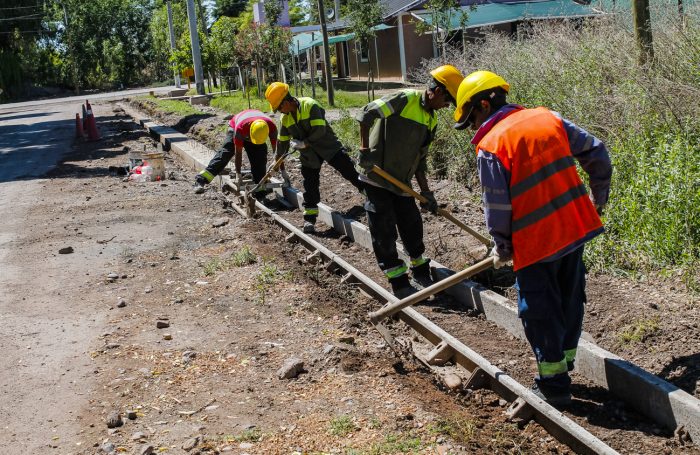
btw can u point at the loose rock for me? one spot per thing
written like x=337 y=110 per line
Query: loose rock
x=452 y=381
x=220 y=222
x=121 y=303
x=145 y=450
x=137 y=436
x=131 y=415
x=190 y=444
x=291 y=368
x=167 y=337
x=66 y=250
x=162 y=324
x=114 y=420
x=108 y=447
x=188 y=356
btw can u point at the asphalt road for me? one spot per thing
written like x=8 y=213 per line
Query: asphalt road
x=34 y=135
x=45 y=328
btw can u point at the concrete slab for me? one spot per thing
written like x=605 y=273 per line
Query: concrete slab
x=177 y=92
x=199 y=100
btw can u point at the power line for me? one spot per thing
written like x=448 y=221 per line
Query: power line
x=21 y=7
x=17 y=18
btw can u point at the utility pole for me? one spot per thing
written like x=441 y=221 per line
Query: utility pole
x=196 y=54
x=642 y=30
x=326 y=53
x=74 y=66
x=172 y=42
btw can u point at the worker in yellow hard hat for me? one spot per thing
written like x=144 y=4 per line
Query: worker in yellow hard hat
x=395 y=133
x=539 y=214
x=247 y=130
x=305 y=128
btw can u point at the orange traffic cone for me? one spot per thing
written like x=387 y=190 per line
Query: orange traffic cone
x=93 y=134
x=78 y=126
x=84 y=117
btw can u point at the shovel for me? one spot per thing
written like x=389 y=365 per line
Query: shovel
x=392 y=308
x=388 y=177
x=249 y=199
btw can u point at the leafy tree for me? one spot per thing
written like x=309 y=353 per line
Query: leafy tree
x=362 y=16
x=21 y=25
x=160 y=37
x=230 y=8
x=442 y=14
x=109 y=43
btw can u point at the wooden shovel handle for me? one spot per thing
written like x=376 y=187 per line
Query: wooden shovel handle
x=419 y=296
x=388 y=177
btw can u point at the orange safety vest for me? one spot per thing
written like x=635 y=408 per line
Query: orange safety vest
x=550 y=206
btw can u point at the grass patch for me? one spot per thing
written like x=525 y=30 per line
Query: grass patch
x=240 y=258
x=237 y=101
x=458 y=428
x=639 y=331
x=243 y=257
x=173 y=106
x=341 y=426
x=251 y=435
x=265 y=279
x=396 y=444
x=212 y=266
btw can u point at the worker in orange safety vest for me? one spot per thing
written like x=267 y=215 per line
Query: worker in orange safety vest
x=539 y=214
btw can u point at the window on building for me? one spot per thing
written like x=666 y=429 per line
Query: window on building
x=364 y=53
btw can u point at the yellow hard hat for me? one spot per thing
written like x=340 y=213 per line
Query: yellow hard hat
x=275 y=93
x=476 y=82
x=259 y=131
x=449 y=76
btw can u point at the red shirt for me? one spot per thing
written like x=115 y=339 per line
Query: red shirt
x=240 y=123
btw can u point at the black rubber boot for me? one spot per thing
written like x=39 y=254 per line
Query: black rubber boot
x=401 y=287
x=421 y=275
x=556 y=396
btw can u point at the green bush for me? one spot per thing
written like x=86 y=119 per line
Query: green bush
x=648 y=117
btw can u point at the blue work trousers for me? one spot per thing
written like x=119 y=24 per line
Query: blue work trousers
x=551 y=298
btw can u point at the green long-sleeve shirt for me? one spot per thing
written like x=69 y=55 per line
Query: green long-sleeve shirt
x=309 y=124
x=402 y=128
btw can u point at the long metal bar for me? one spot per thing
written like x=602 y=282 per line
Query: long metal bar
x=557 y=424
x=433 y=289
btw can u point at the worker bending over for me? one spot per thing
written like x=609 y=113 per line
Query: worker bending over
x=539 y=214
x=304 y=126
x=395 y=133
x=248 y=130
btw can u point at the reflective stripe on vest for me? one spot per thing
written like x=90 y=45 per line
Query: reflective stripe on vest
x=304 y=112
x=416 y=112
x=551 y=209
x=312 y=211
x=249 y=115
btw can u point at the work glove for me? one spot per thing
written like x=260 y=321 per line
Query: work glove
x=239 y=180
x=285 y=177
x=297 y=144
x=498 y=260
x=431 y=204
x=365 y=161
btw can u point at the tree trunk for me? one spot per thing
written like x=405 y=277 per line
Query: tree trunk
x=642 y=29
